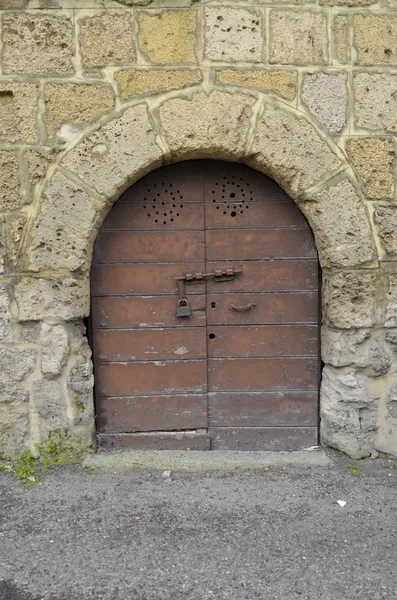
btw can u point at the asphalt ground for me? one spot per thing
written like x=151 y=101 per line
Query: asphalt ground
x=275 y=533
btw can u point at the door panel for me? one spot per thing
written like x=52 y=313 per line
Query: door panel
x=273 y=439
x=283 y=214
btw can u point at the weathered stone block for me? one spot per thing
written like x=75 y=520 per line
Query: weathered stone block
x=75 y=104
x=288 y=148
x=14 y=394
x=168 y=37
x=375 y=100
x=16 y=364
x=340 y=39
x=117 y=154
x=38 y=163
x=29 y=333
x=39 y=298
x=386 y=220
x=339 y=220
x=15 y=227
x=326 y=97
x=374 y=160
x=133 y=82
x=9 y=184
x=66 y=227
x=392 y=402
x=391 y=308
x=80 y=386
x=54 y=344
x=375 y=39
x=349 y=299
x=214 y=125
x=18 y=107
x=14 y=430
x=344 y=348
x=107 y=39
x=6 y=332
x=298 y=38
x=49 y=405
x=37 y=44
x=282 y=83
x=233 y=34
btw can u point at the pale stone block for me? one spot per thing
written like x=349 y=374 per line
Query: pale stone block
x=233 y=34
x=133 y=82
x=37 y=44
x=15 y=226
x=282 y=83
x=14 y=430
x=391 y=298
x=65 y=298
x=107 y=39
x=117 y=154
x=168 y=37
x=14 y=394
x=213 y=125
x=16 y=364
x=288 y=148
x=341 y=226
x=49 y=404
x=29 y=333
x=340 y=39
x=6 y=332
x=326 y=97
x=18 y=108
x=66 y=227
x=75 y=104
x=374 y=161
x=375 y=100
x=349 y=298
x=38 y=163
x=375 y=39
x=343 y=348
x=298 y=38
x=386 y=220
x=54 y=343
x=80 y=386
x=9 y=184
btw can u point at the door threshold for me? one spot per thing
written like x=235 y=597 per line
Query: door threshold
x=203 y=461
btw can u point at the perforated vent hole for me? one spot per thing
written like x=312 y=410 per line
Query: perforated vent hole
x=235 y=190
x=154 y=198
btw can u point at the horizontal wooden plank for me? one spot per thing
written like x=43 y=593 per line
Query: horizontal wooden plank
x=278 y=307
x=155 y=441
x=149 y=344
x=161 y=213
x=267 y=276
x=255 y=244
x=267 y=340
x=153 y=246
x=254 y=374
x=151 y=413
x=232 y=215
x=142 y=278
x=155 y=377
x=250 y=409
x=112 y=312
x=263 y=438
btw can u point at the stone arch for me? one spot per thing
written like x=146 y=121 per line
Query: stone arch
x=244 y=126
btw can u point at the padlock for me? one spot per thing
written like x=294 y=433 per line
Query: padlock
x=183 y=308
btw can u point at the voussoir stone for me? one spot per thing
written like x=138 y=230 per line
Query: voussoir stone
x=14 y=430
x=117 y=154
x=37 y=298
x=214 y=125
x=288 y=148
x=326 y=97
x=341 y=226
x=54 y=344
x=349 y=298
x=66 y=227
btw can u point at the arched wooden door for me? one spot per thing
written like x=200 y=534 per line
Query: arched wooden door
x=242 y=371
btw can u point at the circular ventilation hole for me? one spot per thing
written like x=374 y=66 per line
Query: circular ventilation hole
x=213 y=304
x=212 y=336
x=232 y=195
x=233 y=213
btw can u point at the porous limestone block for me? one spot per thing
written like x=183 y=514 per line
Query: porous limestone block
x=213 y=125
x=386 y=221
x=340 y=34
x=298 y=38
x=326 y=97
x=16 y=364
x=9 y=183
x=282 y=83
x=233 y=34
x=341 y=226
x=349 y=298
x=374 y=161
x=54 y=346
x=375 y=39
x=14 y=430
x=18 y=108
x=37 y=44
x=6 y=331
x=288 y=148
x=49 y=405
x=116 y=154
x=75 y=104
x=168 y=37
x=375 y=101
x=133 y=82
x=107 y=39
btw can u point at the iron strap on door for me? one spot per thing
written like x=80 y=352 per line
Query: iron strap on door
x=219 y=275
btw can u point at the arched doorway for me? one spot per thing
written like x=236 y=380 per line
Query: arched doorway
x=239 y=368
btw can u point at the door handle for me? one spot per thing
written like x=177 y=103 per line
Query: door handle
x=243 y=307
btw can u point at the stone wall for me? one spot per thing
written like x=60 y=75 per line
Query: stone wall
x=96 y=93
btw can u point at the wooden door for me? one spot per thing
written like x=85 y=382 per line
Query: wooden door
x=242 y=371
